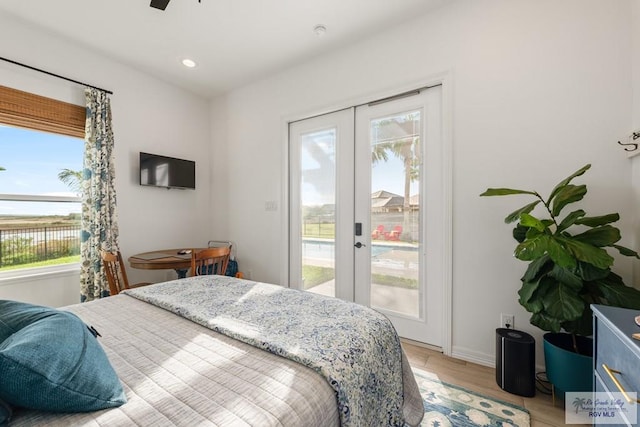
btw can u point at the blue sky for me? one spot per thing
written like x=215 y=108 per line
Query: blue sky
x=318 y=165
x=32 y=161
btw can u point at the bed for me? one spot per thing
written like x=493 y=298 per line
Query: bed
x=220 y=351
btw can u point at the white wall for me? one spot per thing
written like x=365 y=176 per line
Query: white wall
x=148 y=115
x=540 y=89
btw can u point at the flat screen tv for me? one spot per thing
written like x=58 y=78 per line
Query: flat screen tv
x=167 y=172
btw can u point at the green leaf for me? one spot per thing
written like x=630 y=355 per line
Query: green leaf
x=545 y=322
x=626 y=251
x=562 y=303
x=559 y=254
x=505 y=192
x=532 y=248
x=566 y=195
x=520 y=233
x=526 y=291
x=530 y=221
x=605 y=235
x=588 y=272
x=616 y=293
x=587 y=253
x=547 y=222
x=567 y=277
x=515 y=215
x=592 y=293
x=533 y=233
x=537 y=268
x=528 y=298
x=583 y=325
x=570 y=219
x=568 y=179
x=596 y=221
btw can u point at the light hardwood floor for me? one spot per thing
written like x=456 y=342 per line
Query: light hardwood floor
x=482 y=379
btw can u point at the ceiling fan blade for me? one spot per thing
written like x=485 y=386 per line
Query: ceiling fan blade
x=159 y=4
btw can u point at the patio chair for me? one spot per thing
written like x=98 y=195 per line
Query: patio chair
x=394 y=234
x=378 y=233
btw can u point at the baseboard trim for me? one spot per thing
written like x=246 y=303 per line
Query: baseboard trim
x=473 y=356
x=421 y=344
x=483 y=359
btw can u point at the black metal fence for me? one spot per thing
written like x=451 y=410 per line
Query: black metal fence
x=324 y=226
x=28 y=245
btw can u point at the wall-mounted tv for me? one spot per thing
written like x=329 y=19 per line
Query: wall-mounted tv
x=167 y=172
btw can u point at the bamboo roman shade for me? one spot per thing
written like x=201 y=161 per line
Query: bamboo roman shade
x=24 y=109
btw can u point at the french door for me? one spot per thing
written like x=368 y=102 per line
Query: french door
x=366 y=215
x=321 y=195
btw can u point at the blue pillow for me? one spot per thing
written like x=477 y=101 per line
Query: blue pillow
x=5 y=413
x=51 y=361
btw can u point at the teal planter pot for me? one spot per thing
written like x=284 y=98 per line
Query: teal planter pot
x=567 y=370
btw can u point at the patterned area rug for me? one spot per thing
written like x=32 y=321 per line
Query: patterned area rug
x=449 y=405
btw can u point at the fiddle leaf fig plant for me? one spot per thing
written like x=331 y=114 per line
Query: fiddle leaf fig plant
x=569 y=266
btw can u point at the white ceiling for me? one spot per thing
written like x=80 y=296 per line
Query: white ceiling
x=233 y=42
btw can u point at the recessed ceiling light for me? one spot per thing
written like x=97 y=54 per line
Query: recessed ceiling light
x=189 y=63
x=320 y=30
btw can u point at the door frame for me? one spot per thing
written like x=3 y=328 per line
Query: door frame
x=445 y=80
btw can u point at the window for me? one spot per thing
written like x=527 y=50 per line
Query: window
x=41 y=151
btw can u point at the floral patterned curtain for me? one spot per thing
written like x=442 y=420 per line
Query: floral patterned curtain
x=99 y=228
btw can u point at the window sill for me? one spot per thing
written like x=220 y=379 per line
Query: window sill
x=38 y=273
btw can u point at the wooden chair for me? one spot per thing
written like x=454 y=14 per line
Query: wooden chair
x=116 y=273
x=210 y=261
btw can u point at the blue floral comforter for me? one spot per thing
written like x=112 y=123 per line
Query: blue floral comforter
x=355 y=348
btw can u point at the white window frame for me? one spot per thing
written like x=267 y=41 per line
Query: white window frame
x=38 y=198
x=31 y=111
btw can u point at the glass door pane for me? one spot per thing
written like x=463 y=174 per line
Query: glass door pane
x=318 y=202
x=395 y=212
x=321 y=204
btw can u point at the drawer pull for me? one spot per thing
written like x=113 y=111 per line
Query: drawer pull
x=611 y=373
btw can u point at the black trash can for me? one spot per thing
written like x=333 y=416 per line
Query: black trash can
x=516 y=362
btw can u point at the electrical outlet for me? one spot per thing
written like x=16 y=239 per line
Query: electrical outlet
x=507 y=321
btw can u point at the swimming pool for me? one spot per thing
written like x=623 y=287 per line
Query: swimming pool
x=324 y=249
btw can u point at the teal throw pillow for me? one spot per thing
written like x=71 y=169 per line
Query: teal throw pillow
x=5 y=413
x=51 y=361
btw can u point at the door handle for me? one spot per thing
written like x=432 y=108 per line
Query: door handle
x=359 y=245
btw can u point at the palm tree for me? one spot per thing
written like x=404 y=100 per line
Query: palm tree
x=379 y=152
x=71 y=178
x=404 y=143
